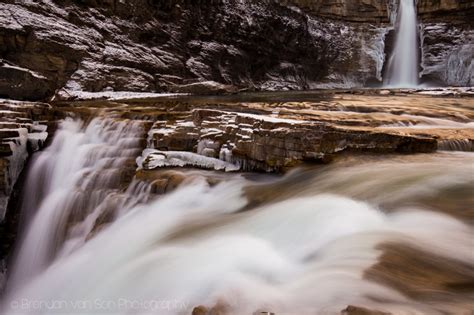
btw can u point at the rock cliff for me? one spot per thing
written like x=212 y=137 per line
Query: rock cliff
x=158 y=46
x=447 y=41
x=365 y=11
x=139 y=45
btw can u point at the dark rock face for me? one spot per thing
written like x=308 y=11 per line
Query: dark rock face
x=372 y=11
x=143 y=46
x=447 y=41
x=139 y=45
x=445 y=10
x=448 y=53
x=21 y=83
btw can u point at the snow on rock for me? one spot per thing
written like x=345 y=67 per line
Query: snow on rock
x=109 y=95
x=271 y=119
x=152 y=159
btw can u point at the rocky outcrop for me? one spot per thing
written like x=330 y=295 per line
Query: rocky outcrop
x=445 y=10
x=356 y=310
x=447 y=41
x=263 y=142
x=366 y=11
x=23 y=130
x=273 y=136
x=447 y=53
x=140 y=46
x=21 y=83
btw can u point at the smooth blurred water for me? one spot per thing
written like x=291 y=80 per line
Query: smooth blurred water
x=74 y=179
x=299 y=244
x=404 y=61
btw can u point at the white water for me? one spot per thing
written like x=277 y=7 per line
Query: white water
x=403 y=62
x=302 y=251
x=73 y=180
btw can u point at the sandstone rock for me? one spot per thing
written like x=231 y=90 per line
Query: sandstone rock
x=22 y=131
x=348 y=10
x=357 y=310
x=446 y=10
x=24 y=128
x=200 y=310
x=276 y=135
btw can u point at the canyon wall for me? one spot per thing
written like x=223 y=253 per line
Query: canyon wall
x=365 y=11
x=212 y=46
x=447 y=41
x=158 y=46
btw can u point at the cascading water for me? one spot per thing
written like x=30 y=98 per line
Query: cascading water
x=71 y=186
x=307 y=243
x=404 y=60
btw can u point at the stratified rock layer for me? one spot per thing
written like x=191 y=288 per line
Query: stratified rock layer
x=142 y=46
x=23 y=130
x=273 y=136
x=203 y=47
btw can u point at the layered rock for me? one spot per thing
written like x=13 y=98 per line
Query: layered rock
x=23 y=130
x=262 y=135
x=366 y=11
x=447 y=53
x=447 y=41
x=139 y=46
x=445 y=10
x=174 y=46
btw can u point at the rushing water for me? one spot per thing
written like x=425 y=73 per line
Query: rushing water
x=403 y=63
x=74 y=181
x=306 y=243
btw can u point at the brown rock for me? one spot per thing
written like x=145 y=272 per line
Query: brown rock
x=200 y=310
x=357 y=310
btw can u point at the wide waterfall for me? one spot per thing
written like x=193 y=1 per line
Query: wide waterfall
x=310 y=242
x=404 y=61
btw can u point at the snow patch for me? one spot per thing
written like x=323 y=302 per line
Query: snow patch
x=152 y=159
x=114 y=95
x=271 y=119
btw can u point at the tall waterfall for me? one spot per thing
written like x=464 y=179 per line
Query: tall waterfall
x=304 y=245
x=403 y=62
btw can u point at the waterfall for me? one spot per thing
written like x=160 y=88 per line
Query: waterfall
x=73 y=185
x=304 y=245
x=403 y=62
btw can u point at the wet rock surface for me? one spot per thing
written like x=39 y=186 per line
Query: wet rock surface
x=256 y=135
x=23 y=130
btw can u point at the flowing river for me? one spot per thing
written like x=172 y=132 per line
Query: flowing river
x=310 y=242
